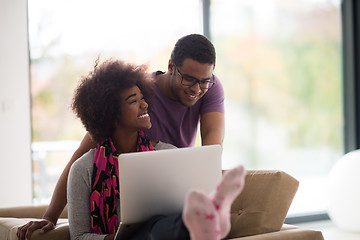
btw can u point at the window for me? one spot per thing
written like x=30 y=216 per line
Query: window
x=66 y=38
x=279 y=62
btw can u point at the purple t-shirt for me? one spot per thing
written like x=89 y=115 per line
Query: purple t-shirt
x=177 y=124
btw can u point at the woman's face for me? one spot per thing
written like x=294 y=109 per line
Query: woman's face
x=134 y=114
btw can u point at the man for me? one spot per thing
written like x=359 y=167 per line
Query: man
x=188 y=93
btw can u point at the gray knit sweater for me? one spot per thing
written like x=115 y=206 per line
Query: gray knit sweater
x=78 y=196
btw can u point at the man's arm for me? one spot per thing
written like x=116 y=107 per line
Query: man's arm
x=212 y=128
x=59 y=197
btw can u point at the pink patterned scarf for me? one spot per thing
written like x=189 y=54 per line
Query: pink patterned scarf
x=105 y=189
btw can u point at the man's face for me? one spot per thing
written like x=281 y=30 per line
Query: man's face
x=189 y=95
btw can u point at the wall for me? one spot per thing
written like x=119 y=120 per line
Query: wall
x=15 y=130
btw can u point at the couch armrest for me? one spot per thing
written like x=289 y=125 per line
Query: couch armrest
x=32 y=211
x=9 y=226
x=13 y=217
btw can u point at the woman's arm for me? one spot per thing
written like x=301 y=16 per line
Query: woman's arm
x=59 y=198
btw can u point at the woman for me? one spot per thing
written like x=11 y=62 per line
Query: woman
x=111 y=103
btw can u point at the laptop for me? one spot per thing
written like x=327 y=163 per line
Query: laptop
x=157 y=182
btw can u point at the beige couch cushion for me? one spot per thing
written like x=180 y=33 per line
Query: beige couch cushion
x=263 y=204
x=291 y=234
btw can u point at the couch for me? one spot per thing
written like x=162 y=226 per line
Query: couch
x=258 y=213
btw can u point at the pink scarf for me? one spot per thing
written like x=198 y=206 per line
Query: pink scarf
x=105 y=189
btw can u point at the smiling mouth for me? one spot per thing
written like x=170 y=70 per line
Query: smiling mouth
x=144 y=115
x=192 y=96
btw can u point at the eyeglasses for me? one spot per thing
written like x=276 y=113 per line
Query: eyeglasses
x=191 y=81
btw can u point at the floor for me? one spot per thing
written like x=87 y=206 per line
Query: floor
x=330 y=231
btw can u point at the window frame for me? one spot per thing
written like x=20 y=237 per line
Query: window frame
x=351 y=73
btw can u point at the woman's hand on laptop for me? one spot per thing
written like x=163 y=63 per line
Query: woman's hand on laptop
x=25 y=231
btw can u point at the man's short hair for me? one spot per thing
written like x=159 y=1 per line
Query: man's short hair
x=196 y=47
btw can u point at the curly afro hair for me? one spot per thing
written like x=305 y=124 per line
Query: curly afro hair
x=196 y=47
x=96 y=100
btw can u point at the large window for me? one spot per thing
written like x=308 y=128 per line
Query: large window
x=279 y=62
x=66 y=38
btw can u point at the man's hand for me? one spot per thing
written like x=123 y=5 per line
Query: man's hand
x=24 y=232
